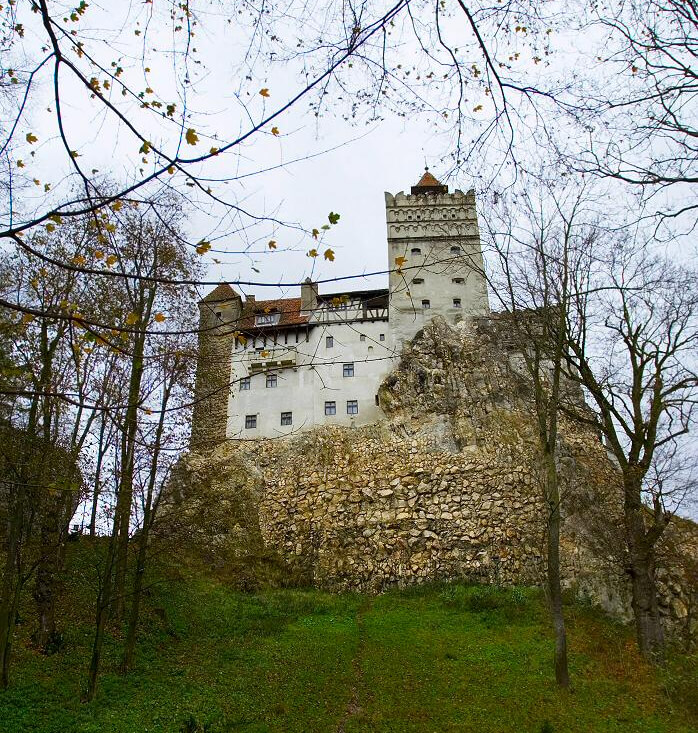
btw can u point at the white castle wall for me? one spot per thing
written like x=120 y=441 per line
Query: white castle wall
x=316 y=378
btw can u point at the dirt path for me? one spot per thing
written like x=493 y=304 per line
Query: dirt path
x=354 y=706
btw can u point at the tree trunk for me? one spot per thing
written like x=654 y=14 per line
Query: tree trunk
x=648 y=621
x=552 y=492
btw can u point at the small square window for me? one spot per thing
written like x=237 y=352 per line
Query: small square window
x=455 y=250
x=362 y=337
x=426 y=304
x=245 y=383
x=416 y=251
x=272 y=380
x=352 y=407
x=456 y=303
x=330 y=408
x=348 y=369
x=458 y=280
x=287 y=418
x=250 y=421
x=381 y=337
x=418 y=281
x=329 y=342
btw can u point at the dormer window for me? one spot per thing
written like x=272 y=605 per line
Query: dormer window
x=267 y=319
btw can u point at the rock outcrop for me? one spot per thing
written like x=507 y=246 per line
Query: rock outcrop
x=446 y=487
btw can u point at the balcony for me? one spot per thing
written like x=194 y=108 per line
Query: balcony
x=273 y=358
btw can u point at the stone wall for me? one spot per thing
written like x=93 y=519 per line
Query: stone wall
x=446 y=487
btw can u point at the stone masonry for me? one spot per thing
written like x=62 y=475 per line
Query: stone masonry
x=446 y=487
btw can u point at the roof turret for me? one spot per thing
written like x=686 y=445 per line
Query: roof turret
x=428 y=184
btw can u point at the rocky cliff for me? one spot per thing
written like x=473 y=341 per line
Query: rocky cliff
x=446 y=487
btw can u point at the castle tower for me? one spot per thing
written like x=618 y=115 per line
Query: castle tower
x=435 y=257
x=219 y=318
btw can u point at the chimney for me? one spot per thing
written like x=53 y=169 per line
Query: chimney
x=309 y=296
x=249 y=299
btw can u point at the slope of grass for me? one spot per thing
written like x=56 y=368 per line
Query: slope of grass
x=436 y=658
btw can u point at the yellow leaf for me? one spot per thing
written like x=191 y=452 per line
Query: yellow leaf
x=264 y=354
x=74 y=154
x=99 y=254
x=329 y=255
x=55 y=218
x=202 y=247
x=20 y=164
x=171 y=169
x=159 y=317
x=131 y=318
x=315 y=233
x=312 y=253
x=191 y=137
x=241 y=338
x=213 y=151
x=148 y=411
x=274 y=130
x=27 y=318
x=400 y=261
x=111 y=260
x=50 y=228
x=79 y=260
x=145 y=148
x=37 y=182
x=34 y=282
x=116 y=206
x=31 y=137
x=264 y=92
x=478 y=108
x=272 y=244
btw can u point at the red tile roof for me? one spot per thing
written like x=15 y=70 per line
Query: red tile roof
x=428 y=180
x=289 y=308
x=220 y=293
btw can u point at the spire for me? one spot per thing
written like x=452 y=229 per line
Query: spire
x=428 y=184
x=219 y=294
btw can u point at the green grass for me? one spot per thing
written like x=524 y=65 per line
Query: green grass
x=433 y=659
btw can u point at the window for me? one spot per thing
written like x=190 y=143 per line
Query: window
x=378 y=401
x=245 y=383
x=458 y=280
x=416 y=251
x=272 y=380
x=287 y=418
x=362 y=337
x=426 y=304
x=329 y=342
x=456 y=302
x=266 y=319
x=250 y=421
x=219 y=315
x=381 y=337
x=418 y=281
x=348 y=369
x=352 y=407
x=455 y=250
x=330 y=408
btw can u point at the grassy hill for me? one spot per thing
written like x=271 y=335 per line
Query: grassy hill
x=433 y=659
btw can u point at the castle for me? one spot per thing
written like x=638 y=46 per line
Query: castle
x=275 y=367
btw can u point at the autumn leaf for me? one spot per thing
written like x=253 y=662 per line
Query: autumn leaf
x=329 y=255
x=275 y=131
x=31 y=137
x=191 y=137
x=264 y=354
x=272 y=244
x=213 y=151
x=202 y=247
x=99 y=254
x=145 y=148
x=27 y=318
x=400 y=261
x=159 y=317
x=171 y=169
x=264 y=92
x=170 y=110
x=312 y=253
x=478 y=108
x=116 y=206
x=50 y=228
x=55 y=218
x=131 y=318
x=79 y=260
x=334 y=218
x=20 y=164
x=241 y=338
x=315 y=233
x=111 y=260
